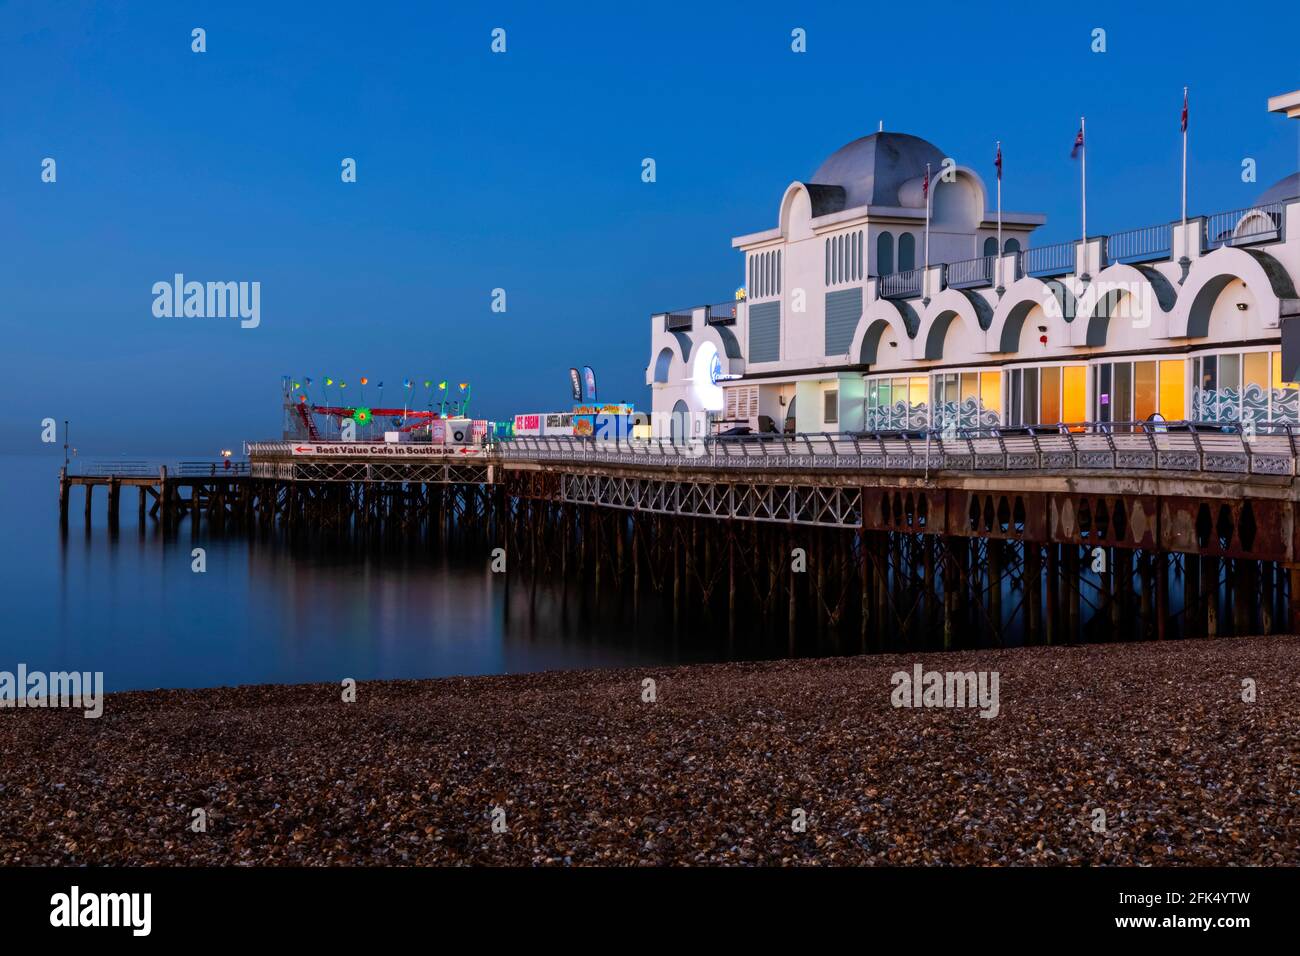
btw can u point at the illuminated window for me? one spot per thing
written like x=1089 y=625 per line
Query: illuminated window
x=1145 y=396
x=1050 y=395
x=1074 y=394
x=1173 y=390
x=991 y=391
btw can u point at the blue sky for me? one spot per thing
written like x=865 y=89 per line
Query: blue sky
x=522 y=171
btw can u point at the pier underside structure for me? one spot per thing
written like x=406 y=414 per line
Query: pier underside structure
x=898 y=553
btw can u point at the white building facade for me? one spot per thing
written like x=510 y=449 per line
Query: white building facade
x=843 y=328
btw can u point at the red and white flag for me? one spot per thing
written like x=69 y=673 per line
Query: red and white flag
x=925 y=184
x=1078 y=144
x=1184 y=109
x=997 y=161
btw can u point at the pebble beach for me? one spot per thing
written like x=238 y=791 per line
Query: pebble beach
x=804 y=762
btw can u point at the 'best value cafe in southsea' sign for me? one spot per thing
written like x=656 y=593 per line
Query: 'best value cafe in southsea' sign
x=386 y=450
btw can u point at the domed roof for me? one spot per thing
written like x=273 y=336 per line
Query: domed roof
x=1286 y=188
x=872 y=169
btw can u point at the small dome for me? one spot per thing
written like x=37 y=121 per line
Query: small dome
x=1286 y=188
x=872 y=170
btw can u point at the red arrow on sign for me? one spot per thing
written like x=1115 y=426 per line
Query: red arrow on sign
x=300 y=448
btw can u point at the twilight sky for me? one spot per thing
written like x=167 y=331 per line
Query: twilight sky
x=522 y=171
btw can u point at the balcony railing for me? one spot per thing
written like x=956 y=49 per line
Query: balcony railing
x=901 y=285
x=1146 y=244
x=1054 y=260
x=1239 y=227
x=722 y=314
x=971 y=273
x=1110 y=446
x=679 y=321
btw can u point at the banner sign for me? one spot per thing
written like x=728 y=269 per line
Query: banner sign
x=576 y=383
x=382 y=450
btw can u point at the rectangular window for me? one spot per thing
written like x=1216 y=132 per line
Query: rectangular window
x=1256 y=368
x=919 y=392
x=831 y=406
x=1074 y=394
x=1030 y=410
x=1145 y=398
x=991 y=391
x=1121 y=400
x=1050 y=393
x=1172 y=390
x=1101 y=387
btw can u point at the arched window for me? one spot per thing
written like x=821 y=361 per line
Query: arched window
x=991 y=246
x=778 y=272
x=859 y=259
x=1010 y=246
x=906 y=252
x=885 y=254
x=826 y=246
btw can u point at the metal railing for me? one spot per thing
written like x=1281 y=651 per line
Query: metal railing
x=1054 y=260
x=137 y=468
x=679 y=322
x=1264 y=223
x=1145 y=244
x=970 y=273
x=225 y=468
x=901 y=285
x=1184 y=447
x=723 y=313
x=141 y=468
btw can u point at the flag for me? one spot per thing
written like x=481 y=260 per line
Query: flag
x=329 y=381
x=925 y=184
x=1078 y=144
x=1184 y=109
x=589 y=374
x=997 y=161
x=364 y=380
x=406 y=383
x=307 y=380
x=442 y=386
x=464 y=385
x=576 y=383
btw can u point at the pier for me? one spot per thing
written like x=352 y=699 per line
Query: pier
x=911 y=539
x=218 y=491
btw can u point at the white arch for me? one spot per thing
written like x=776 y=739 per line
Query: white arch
x=1268 y=282
x=881 y=322
x=937 y=317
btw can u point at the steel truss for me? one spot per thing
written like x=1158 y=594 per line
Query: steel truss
x=418 y=472
x=825 y=506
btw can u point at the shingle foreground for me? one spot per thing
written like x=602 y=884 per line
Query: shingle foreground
x=1156 y=735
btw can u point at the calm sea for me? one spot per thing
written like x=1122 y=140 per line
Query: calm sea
x=130 y=605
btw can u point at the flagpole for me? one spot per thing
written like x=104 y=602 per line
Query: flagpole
x=1184 y=261
x=925 y=275
x=998 y=252
x=1084 y=157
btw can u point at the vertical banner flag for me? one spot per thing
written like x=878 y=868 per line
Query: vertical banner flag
x=576 y=383
x=590 y=376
